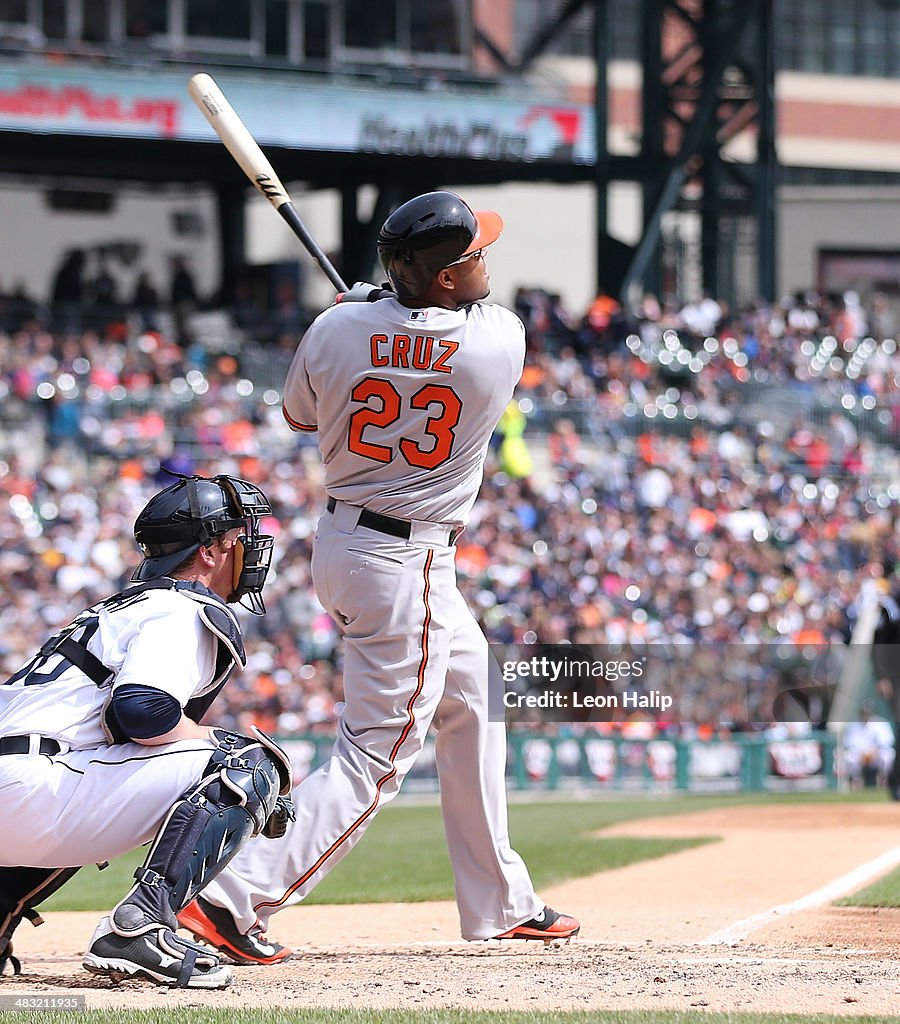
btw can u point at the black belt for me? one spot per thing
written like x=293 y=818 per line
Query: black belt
x=22 y=745
x=385 y=524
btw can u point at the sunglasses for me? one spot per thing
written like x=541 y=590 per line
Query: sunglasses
x=464 y=259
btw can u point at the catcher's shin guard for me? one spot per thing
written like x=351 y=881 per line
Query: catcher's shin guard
x=236 y=798
x=21 y=890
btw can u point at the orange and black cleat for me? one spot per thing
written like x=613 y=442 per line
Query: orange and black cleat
x=216 y=927
x=545 y=926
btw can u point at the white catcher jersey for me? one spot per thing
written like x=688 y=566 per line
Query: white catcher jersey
x=405 y=401
x=150 y=637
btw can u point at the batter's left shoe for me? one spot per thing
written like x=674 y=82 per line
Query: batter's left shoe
x=545 y=926
x=216 y=926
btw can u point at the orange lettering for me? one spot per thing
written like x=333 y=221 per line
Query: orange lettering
x=441 y=363
x=400 y=352
x=374 y=342
x=377 y=390
x=441 y=427
x=421 y=359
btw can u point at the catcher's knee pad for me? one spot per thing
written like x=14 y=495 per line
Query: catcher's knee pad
x=255 y=770
x=238 y=794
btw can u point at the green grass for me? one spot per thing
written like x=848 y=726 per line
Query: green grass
x=403 y=857
x=883 y=893
x=196 y=1015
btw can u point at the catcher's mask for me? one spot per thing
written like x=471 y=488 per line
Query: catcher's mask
x=191 y=514
x=427 y=234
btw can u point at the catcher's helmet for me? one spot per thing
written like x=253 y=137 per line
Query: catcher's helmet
x=190 y=514
x=427 y=234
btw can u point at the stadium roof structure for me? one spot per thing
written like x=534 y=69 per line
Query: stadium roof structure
x=705 y=137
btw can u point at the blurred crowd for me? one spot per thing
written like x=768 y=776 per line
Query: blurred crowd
x=663 y=496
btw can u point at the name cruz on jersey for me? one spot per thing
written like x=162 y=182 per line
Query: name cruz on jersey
x=416 y=353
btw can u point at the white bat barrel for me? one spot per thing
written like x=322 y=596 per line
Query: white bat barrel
x=243 y=147
x=239 y=142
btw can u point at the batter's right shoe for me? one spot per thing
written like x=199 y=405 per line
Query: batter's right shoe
x=160 y=956
x=546 y=926
x=216 y=926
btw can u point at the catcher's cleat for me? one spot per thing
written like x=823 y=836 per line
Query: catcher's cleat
x=6 y=957
x=546 y=926
x=216 y=926
x=159 y=955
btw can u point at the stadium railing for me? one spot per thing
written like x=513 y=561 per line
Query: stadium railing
x=598 y=762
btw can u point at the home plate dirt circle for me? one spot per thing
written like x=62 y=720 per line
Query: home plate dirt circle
x=744 y=923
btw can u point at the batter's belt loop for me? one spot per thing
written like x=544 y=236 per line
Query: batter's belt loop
x=402 y=528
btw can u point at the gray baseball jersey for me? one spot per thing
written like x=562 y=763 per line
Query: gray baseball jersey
x=405 y=401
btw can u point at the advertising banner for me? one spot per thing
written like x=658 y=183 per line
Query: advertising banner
x=299 y=113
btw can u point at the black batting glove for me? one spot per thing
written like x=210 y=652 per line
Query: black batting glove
x=364 y=291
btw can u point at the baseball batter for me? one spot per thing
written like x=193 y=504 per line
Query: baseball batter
x=404 y=392
x=100 y=750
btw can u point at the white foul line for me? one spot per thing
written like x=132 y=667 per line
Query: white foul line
x=842 y=886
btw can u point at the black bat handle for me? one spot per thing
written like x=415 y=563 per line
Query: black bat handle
x=289 y=213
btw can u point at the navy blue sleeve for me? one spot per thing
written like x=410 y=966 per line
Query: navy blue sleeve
x=144 y=712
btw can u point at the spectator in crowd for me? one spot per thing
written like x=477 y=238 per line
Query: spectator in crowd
x=286 y=310
x=243 y=304
x=145 y=299
x=68 y=286
x=103 y=288
x=68 y=283
x=183 y=297
x=513 y=454
x=868 y=747
x=564 y=447
x=602 y=319
x=883 y=321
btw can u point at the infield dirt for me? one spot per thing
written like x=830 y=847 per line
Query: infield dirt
x=695 y=930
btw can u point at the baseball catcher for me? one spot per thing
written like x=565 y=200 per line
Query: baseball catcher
x=101 y=749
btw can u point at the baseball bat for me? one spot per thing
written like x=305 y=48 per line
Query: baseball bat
x=245 y=150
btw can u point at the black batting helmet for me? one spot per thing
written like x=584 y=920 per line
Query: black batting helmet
x=190 y=514
x=427 y=234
